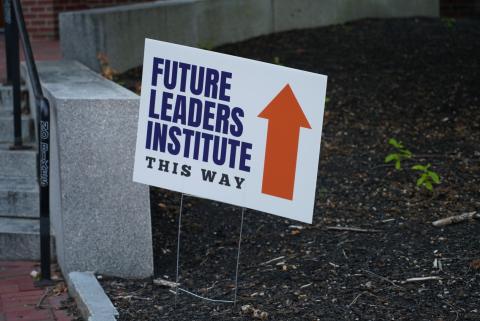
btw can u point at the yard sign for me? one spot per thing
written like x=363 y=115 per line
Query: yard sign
x=230 y=129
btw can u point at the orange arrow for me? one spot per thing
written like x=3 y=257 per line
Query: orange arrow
x=285 y=117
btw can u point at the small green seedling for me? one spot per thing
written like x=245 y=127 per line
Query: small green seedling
x=427 y=177
x=346 y=28
x=206 y=46
x=449 y=22
x=401 y=154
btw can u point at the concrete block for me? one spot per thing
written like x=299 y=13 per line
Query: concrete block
x=80 y=38
x=119 y=32
x=405 y=8
x=220 y=22
x=131 y=25
x=427 y=8
x=180 y=22
x=101 y=218
x=91 y=300
x=309 y=14
x=348 y=10
x=189 y=22
x=301 y=14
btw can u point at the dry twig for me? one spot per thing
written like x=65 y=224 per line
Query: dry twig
x=423 y=278
x=456 y=219
x=351 y=229
x=129 y=297
x=273 y=260
x=356 y=298
x=166 y=283
x=384 y=279
x=44 y=296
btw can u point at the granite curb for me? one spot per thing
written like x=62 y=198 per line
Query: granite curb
x=92 y=302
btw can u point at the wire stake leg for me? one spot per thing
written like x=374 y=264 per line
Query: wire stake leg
x=178 y=247
x=238 y=258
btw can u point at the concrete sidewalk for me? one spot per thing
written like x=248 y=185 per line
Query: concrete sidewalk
x=19 y=297
x=42 y=50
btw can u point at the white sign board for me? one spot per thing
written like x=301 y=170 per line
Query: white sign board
x=230 y=129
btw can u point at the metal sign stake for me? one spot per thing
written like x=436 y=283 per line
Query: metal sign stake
x=238 y=258
x=178 y=288
x=178 y=247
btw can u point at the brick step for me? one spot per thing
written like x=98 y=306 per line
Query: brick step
x=19 y=197
x=20 y=239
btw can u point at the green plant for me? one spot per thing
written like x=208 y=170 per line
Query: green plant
x=347 y=28
x=449 y=22
x=399 y=155
x=322 y=193
x=206 y=45
x=276 y=61
x=427 y=177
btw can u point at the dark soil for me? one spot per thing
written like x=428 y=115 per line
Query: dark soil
x=417 y=80
x=72 y=310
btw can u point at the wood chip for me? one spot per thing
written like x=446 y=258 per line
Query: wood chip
x=475 y=264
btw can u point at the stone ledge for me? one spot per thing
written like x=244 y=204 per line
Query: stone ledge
x=100 y=216
x=119 y=32
x=93 y=303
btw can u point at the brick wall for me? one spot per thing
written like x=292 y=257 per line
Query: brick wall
x=460 y=8
x=41 y=16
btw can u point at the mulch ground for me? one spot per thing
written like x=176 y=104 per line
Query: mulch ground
x=416 y=80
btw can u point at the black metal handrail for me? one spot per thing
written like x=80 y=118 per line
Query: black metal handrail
x=15 y=27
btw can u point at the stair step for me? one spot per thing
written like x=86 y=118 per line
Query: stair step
x=6 y=113
x=19 y=239
x=18 y=163
x=6 y=98
x=6 y=128
x=19 y=197
x=6 y=102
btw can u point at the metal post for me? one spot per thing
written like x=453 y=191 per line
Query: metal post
x=27 y=49
x=44 y=179
x=43 y=158
x=7 y=12
x=13 y=72
x=238 y=258
x=178 y=248
x=177 y=279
